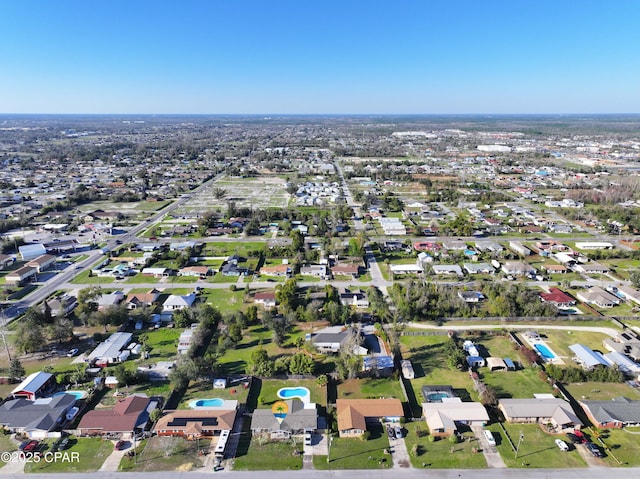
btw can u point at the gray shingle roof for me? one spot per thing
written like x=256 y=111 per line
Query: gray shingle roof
x=619 y=409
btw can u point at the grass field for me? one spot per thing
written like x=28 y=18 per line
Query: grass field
x=270 y=387
x=204 y=390
x=270 y=456
x=92 y=453
x=226 y=301
x=621 y=445
x=166 y=454
x=441 y=454
x=537 y=449
x=370 y=388
x=6 y=445
x=602 y=391
x=354 y=453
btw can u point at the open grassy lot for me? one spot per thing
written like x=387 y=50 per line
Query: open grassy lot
x=370 y=388
x=354 y=453
x=442 y=454
x=241 y=248
x=602 y=391
x=92 y=453
x=161 y=343
x=515 y=384
x=166 y=454
x=269 y=456
x=537 y=449
x=226 y=301
x=270 y=387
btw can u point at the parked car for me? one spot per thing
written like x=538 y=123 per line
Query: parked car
x=488 y=435
x=72 y=352
x=307 y=439
x=593 y=449
x=563 y=446
x=63 y=444
x=119 y=445
x=391 y=433
x=573 y=438
x=398 y=432
x=31 y=446
x=581 y=436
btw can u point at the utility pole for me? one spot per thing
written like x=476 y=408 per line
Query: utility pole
x=519 y=442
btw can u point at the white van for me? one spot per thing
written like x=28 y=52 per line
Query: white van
x=489 y=437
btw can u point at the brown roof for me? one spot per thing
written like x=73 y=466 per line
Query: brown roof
x=122 y=418
x=225 y=418
x=346 y=268
x=196 y=269
x=279 y=268
x=352 y=412
x=265 y=295
x=40 y=260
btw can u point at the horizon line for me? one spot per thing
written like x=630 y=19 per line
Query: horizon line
x=331 y=114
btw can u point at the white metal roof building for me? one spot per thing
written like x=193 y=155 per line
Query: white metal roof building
x=109 y=350
x=587 y=356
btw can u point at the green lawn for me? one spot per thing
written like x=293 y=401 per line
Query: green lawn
x=355 y=453
x=621 y=445
x=370 y=388
x=602 y=391
x=442 y=454
x=515 y=384
x=161 y=343
x=204 y=390
x=141 y=278
x=92 y=453
x=226 y=301
x=6 y=445
x=559 y=341
x=241 y=248
x=165 y=454
x=270 y=387
x=269 y=456
x=220 y=278
x=84 y=278
x=537 y=448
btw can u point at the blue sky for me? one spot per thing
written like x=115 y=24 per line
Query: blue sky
x=308 y=56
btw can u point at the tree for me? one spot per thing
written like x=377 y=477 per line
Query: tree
x=634 y=277
x=29 y=336
x=87 y=298
x=16 y=370
x=286 y=295
x=301 y=364
x=60 y=330
x=260 y=364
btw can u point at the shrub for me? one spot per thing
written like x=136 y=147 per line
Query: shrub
x=453 y=439
x=365 y=435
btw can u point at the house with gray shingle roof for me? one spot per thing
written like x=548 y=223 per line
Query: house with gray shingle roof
x=299 y=419
x=35 y=418
x=616 y=413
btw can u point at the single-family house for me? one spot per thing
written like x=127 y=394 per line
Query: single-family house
x=141 y=300
x=200 y=272
x=175 y=302
x=447 y=269
x=470 y=296
x=629 y=293
x=518 y=268
x=355 y=298
x=354 y=414
x=592 y=267
x=110 y=299
x=540 y=411
x=266 y=299
x=283 y=270
x=478 y=268
x=129 y=415
x=316 y=270
x=615 y=413
x=352 y=270
x=35 y=418
x=443 y=418
x=110 y=351
x=598 y=296
x=301 y=418
x=558 y=298
x=196 y=423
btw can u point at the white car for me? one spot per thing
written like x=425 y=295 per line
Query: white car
x=72 y=352
x=563 y=446
x=307 y=439
x=488 y=435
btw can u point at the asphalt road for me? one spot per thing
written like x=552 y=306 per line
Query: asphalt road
x=408 y=473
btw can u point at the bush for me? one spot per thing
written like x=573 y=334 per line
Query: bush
x=432 y=439
x=365 y=435
x=453 y=439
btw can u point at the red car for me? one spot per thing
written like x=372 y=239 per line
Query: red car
x=119 y=445
x=581 y=436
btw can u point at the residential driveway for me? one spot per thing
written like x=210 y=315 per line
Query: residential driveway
x=13 y=467
x=491 y=454
x=589 y=458
x=112 y=462
x=399 y=452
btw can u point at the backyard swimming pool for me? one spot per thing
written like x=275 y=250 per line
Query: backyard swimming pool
x=288 y=393
x=213 y=402
x=544 y=351
x=437 y=396
x=77 y=394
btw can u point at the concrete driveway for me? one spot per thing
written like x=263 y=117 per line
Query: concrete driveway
x=112 y=462
x=398 y=450
x=491 y=454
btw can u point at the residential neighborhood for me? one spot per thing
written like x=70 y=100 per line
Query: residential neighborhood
x=414 y=296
